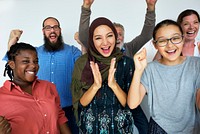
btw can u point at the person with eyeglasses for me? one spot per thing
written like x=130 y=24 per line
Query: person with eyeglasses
x=56 y=60
x=171 y=83
x=189 y=21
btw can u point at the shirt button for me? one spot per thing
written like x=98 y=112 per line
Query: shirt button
x=52 y=72
x=45 y=115
x=47 y=132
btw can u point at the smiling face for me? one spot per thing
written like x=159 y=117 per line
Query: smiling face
x=120 y=37
x=190 y=26
x=51 y=30
x=25 y=66
x=104 y=40
x=170 y=52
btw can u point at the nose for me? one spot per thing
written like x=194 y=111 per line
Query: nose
x=169 y=43
x=191 y=26
x=33 y=64
x=104 y=41
x=52 y=29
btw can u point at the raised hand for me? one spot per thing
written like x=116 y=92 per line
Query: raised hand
x=151 y=4
x=87 y=3
x=96 y=74
x=140 y=60
x=111 y=75
x=83 y=49
x=14 y=37
x=5 y=127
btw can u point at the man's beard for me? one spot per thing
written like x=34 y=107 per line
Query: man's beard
x=58 y=45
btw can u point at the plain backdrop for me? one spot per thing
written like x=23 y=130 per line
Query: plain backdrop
x=28 y=16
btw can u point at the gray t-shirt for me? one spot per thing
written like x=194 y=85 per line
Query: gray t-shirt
x=171 y=94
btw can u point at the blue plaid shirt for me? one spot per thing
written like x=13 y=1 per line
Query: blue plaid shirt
x=57 y=67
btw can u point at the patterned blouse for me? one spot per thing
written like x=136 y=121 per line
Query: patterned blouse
x=105 y=114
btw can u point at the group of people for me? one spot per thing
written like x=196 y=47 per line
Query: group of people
x=56 y=88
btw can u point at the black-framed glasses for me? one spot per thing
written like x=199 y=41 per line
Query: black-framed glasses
x=48 y=27
x=161 y=42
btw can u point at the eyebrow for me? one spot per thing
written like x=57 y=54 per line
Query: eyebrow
x=106 y=34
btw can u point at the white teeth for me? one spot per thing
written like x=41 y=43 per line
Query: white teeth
x=30 y=72
x=171 y=51
x=191 y=32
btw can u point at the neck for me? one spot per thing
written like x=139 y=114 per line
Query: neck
x=172 y=63
x=189 y=43
x=25 y=86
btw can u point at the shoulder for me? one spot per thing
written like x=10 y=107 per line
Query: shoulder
x=153 y=65
x=126 y=61
x=72 y=48
x=82 y=59
x=193 y=59
x=39 y=47
x=45 y=83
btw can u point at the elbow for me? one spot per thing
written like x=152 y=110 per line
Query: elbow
x=132 y=105
x=83 y=104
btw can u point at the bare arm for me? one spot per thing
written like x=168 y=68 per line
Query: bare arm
x=14 y=37
x=5 y=127
x=151 y=4
x=198 y=98
x=83 y=49
x=137 y=90
x=120 y=94
x=64 y=129
x=90 y=93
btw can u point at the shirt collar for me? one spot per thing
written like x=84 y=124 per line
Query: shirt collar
x=8 y=84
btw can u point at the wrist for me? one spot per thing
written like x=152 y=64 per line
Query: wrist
x=151 y=8
x=86 y=6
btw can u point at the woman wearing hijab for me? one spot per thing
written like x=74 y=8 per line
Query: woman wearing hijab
x=100 y=84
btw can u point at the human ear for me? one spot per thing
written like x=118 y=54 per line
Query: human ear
x=154 y=44
x=11 y=64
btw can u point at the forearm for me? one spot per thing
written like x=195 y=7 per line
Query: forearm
x=148 y=27
x=198 y=99
x=84 y=25
x=88 y=95
x=120 y=94
x=138 y=42
x=134 y=95
x=64 y=129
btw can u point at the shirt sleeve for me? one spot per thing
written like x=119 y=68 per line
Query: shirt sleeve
x=76 y=53
x=84 y=26
x=138 y=42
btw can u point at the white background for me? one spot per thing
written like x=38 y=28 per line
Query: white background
x=28 y=16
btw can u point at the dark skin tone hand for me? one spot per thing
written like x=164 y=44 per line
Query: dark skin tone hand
x=5 y=127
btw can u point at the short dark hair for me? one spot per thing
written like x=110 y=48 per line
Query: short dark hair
x=185 y=13
x=165 y=23
x=50 y=18
x=14 y=51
